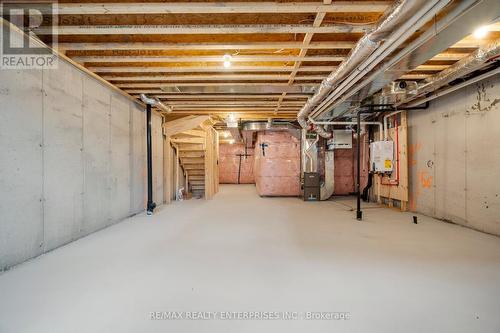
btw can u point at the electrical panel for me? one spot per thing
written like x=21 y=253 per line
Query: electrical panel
x=342 y=139
x=382 y=156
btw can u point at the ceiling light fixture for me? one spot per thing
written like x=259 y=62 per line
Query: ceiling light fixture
x=480 y=32
x=227 y=60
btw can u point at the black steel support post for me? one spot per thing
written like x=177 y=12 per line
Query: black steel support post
x=151 y=205
x=359 y=213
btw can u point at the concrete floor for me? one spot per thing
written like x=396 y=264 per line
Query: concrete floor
x=240 y=252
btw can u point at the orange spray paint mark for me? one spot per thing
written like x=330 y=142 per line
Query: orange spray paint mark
x=413 y=149
x=425 y=179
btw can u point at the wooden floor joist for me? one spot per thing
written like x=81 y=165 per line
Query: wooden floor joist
x=202 y=29
x=220 y=7
x=323 y=45
x=280 y=51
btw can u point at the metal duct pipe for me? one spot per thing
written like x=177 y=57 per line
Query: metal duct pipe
x=322 y=132
x=343 y=91
x=308 y=153
x=463 y=67
x=156 y=103
x=148 y=100
x=453 y=88
x=393 y=17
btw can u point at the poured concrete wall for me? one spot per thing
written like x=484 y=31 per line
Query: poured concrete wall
x=72 y=159
x=454 y=157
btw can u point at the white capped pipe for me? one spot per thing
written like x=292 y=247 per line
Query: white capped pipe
x=378 y=123
x=386 y=135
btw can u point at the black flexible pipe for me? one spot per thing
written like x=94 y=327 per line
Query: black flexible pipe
x=365 y=196
x=150 y=205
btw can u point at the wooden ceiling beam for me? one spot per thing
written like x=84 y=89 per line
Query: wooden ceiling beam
x=221 y=7
x=227 y=77
x=215 y=59
x=164 y=96
x=448 y=56
x=206 y=84
x=146 y=69
x=302 y=55
x=431 y=67
x=209 y=29
x=203 y=46
x=203 y=103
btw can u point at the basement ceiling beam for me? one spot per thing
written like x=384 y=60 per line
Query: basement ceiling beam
x=233 y=109
x=208 y=84
x=203 y=46
x=165 y=96
x=246 y=116
x=201 y=29
x=229 y=89
x=202 y=103
x=217 y=59
x=430 y=68
x=449 y=56
x=228 y=77
x=221 y=7
x=118 y=69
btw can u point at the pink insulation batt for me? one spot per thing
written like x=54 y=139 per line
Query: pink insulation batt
x=277 y=165
x=229 y=164
x=345 y=168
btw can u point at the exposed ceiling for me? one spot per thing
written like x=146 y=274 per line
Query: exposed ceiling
x=279 y=52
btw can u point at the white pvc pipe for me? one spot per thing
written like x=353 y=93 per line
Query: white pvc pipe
x=386 y=135
x=379 y=124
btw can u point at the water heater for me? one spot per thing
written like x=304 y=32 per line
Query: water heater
x=382 y=156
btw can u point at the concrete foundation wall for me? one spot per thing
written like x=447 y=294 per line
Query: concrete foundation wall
x=72 y=159
x=454 y=157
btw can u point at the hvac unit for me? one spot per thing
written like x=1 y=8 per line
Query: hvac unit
x=342 y=139
x=311 y=186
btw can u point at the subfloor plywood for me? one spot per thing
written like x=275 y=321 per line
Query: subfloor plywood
x=240 y=252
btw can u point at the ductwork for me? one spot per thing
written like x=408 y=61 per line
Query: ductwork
x=461 y=68
x=156 y=103
x=393 y=17
x=322 y=132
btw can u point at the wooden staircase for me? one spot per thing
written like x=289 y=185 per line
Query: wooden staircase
x=195 y=152
x=193 y=163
